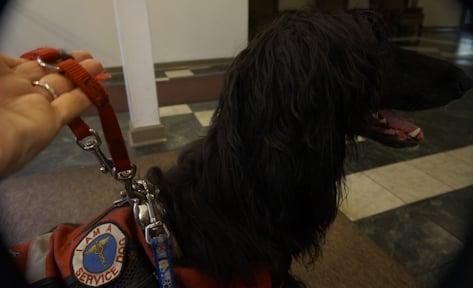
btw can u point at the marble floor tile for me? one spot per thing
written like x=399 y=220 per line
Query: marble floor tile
x=204 y=117
x=452 y=211
x=63 y=152
x=364 y=198
x=432 y=279
x=213 y=70
x=371 y=154
x=174 y=110
x=445 y=168
x=463 y=154
x=417 y=243
x=162 y=79
x=203 y=106
x=407 y=182
x=181 y=130
x=159 y=74
x=179 y=73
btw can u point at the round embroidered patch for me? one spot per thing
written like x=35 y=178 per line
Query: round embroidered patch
x=98 y=258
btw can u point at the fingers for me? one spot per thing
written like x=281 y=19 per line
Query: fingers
x=80 y=55
x=72 y=101
x=32 y=70
x=70 y=105
x=10 y=61
x=7 y=63
x=61 y=84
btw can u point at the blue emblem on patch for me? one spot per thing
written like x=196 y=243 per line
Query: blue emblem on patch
x=99 y=255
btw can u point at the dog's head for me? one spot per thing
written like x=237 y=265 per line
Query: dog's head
x=410 y=80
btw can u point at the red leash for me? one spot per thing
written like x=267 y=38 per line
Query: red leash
x=58 y=61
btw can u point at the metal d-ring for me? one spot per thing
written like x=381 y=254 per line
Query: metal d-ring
x=47 y=66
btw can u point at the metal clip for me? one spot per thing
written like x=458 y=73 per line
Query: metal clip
x=153 y=230
x=92 y=144
x=126 y=177
x=140 y=211
x=147 y=212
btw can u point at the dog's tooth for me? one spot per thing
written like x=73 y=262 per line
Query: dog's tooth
x=414 y=133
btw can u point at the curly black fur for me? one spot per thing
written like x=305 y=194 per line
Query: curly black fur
x=264 y=185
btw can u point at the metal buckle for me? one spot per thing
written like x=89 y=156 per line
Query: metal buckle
x=153 y=230
x=125 y=175
x=92 y=144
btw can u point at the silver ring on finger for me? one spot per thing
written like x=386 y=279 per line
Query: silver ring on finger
x=45 y=86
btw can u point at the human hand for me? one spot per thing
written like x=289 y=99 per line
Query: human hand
x=29 y=115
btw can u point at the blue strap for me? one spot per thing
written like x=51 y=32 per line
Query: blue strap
x=163 y=261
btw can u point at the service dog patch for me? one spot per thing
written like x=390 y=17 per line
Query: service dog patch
x=98 y=258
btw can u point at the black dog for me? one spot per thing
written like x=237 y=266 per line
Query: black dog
x=264 y=185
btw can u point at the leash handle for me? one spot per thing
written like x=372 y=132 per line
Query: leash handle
x=120 y=166
x=156 y=233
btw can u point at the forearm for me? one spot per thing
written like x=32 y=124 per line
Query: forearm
x=7 y=156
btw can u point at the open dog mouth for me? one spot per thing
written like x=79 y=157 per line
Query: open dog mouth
x=393 y=130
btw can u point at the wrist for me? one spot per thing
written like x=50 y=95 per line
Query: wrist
x=9 y=147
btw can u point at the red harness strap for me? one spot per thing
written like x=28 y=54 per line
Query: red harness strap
x=97 y=95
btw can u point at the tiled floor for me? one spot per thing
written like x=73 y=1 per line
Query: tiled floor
x=426 y=235
x=406 y=182
x=414 y=203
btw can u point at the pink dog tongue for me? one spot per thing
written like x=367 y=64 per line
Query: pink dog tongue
x=396 y=122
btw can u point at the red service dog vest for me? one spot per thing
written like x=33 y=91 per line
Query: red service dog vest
x=110 y=251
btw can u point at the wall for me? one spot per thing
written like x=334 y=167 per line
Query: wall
x=441 y=13
x=203 y=29
x=181 y=29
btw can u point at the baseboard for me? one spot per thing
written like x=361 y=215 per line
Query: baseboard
x=171 y=92
x=204 y=83
x=143 y=136
x=177 y=65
